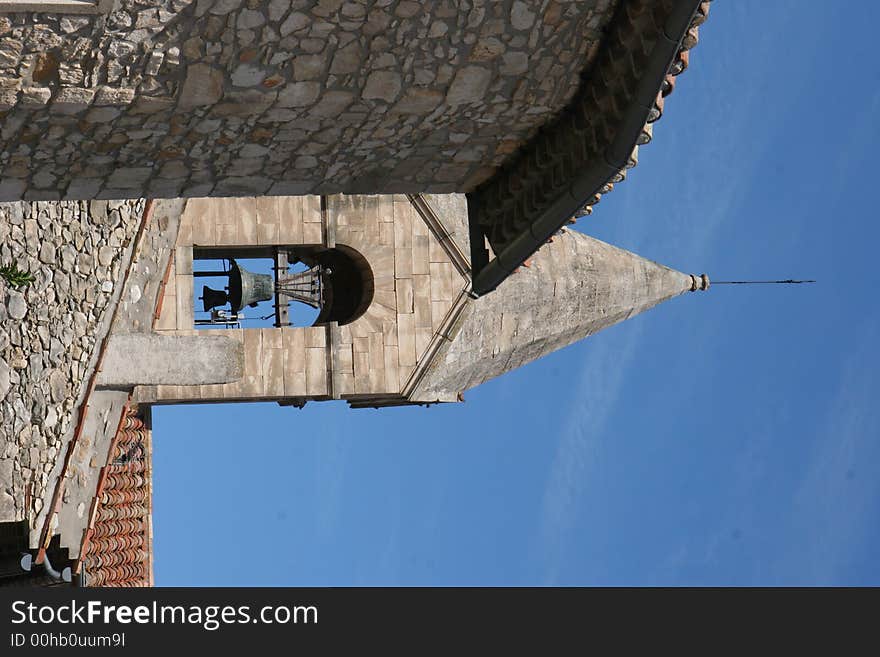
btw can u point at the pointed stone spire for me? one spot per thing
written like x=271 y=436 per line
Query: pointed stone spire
x=574 y=286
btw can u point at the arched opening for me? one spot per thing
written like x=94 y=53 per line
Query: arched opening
x=347 y=283
x=253 y=287
x=225 y=307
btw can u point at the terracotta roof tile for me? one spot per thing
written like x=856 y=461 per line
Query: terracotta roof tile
x=678 y=66
x=118 y=548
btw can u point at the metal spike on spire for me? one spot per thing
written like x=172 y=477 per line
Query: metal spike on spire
x=789 y=281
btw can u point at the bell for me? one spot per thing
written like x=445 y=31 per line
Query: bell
x=247 y=288
x=213 y=298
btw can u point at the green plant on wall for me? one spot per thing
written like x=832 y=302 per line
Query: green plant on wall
x=15 y=277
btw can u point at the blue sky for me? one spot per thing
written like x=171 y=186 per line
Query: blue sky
x=725 y=438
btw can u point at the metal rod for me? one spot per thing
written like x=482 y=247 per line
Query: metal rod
x=785 y=282
x=198 y=274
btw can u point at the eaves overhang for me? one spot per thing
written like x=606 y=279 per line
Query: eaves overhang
x=572 y=161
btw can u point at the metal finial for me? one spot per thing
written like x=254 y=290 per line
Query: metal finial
x=789 y=281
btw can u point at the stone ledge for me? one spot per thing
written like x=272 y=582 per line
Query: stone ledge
x=153 y=359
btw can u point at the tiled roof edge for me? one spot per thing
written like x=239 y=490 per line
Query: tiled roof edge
x=117 y=547
x=679 y=65
x=570 y=163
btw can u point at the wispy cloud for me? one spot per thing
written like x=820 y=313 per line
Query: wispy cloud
x=331 y=471
x=835 y=508
x=684 y=220
x=824 y=522
x=579 y=448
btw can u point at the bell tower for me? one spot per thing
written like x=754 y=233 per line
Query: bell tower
x=384 y=275
x=396 y=322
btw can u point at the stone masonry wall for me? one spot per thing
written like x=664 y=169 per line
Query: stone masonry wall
x=49 y=330
x=168 y=98
x=415 y=287
x=574 y=287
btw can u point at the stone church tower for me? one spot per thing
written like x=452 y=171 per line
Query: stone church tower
x=413 y=335
x=422 y=161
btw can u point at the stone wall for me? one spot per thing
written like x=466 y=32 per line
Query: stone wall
x=167 y=98
x=49 y=330
x=415 y=281
x=416 y=285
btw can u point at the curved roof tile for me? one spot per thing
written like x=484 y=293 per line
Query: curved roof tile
x=118 y=547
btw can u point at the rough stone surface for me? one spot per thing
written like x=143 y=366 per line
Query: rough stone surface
x=574 y=287
x=49 y=330
x=133 y=313
x=16 y=306
x=451 y=209
x=406 y=96
x=4 y=379
x=153 y=359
